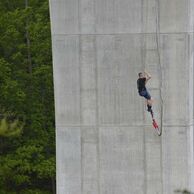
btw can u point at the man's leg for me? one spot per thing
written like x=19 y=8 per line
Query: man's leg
x=149 y=98
x=150 y=102
x=149 y=105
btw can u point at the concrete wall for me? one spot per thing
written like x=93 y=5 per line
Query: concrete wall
x=105 y=141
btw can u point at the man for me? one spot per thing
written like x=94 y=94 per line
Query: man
x=141 y=82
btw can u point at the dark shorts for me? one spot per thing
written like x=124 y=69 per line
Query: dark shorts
x=145 y=94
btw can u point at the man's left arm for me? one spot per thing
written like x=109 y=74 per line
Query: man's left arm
x=148 y=76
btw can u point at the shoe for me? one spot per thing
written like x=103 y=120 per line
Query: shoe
x=155 y=124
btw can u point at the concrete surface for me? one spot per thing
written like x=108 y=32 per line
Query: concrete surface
x=105 y=141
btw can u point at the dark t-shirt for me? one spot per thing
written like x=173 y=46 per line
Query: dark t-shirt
x=141 y=84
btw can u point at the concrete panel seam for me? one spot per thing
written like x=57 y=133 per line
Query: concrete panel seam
x=116 y=126
x=160 y=82
x=97 y=119
x=143 y=54
x=81 y=142
x=112 y=34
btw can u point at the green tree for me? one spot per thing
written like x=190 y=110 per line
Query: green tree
x=26 y=88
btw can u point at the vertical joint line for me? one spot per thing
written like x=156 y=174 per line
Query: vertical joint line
x=97 y=119
x=160 y=80
x=80 y=80
x=143 y=50
x=80 y=119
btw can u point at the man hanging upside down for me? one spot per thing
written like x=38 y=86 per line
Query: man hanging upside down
x=142 y=90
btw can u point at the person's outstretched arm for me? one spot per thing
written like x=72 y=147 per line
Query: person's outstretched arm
x=147 y=75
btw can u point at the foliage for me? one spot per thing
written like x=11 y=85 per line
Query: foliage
x=12 y=128
x=27 y=137
x=183 y=191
